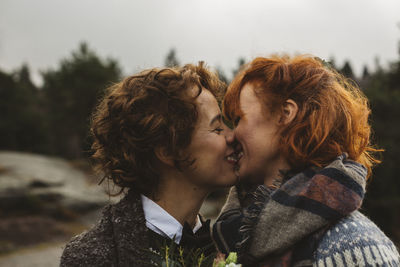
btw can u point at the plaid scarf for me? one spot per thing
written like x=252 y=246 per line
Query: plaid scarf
x=282 y=226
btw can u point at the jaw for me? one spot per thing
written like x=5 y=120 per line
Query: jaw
x=249 y=172
x=237 y=155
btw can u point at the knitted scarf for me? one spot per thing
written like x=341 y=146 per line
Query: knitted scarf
x=282 y=225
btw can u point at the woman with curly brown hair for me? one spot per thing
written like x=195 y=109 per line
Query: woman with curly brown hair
x=304 y=138
x=159 y=134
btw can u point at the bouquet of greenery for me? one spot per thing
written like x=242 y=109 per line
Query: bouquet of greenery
x=173 y=255
x=230 y=261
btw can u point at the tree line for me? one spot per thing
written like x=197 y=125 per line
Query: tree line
x=53 y=119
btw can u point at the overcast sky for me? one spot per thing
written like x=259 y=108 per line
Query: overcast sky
x=139 y=33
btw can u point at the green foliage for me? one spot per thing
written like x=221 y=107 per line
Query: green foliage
x=54 y=119
x=365 y=74
x=171 y=60
x=347 y=70
x=241 y=62
x=173 y=255
x=332 y=62
x=71 y=92
x=382 y=88
x=383 y=198
x=22 y=123
x=221 y=75
x=231 y=260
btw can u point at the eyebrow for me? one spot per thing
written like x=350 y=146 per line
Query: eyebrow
x=217 y=117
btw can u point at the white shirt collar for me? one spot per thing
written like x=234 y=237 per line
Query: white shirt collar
x=163 y=223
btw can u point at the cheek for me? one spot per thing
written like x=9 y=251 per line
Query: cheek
x=219 y=145
x=243 y=134
x=212 y=149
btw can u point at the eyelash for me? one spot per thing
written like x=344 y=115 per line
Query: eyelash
x=218 y=130
x=236 y=121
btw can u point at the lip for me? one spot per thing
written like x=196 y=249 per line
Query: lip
x=231 y=158
x=234 y=157
x=239 y=156
x=239 y=152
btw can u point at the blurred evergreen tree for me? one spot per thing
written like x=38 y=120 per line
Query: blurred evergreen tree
x=222 y=75
x=332 y=62
x=383 y=199
x=171 y=60
x=365 y=74
x=22 y=123
x=241 y=62
x=8 y=111
x=347 y=70
x=72 y=90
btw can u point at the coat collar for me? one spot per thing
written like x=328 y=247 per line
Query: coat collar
x=130 y=231
x=160 y=221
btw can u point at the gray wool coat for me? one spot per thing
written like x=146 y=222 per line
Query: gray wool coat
x=119 y=239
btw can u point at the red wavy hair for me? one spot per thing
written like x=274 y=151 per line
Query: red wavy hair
x=333 y=112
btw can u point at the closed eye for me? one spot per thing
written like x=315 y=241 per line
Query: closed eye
x=218 y=130
x=236 y=121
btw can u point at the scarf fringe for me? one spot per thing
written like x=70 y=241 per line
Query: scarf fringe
x=260 y=198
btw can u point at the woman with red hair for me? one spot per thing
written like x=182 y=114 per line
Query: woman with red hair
x=304 y=150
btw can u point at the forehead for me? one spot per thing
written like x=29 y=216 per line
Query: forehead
x=207 y=104
x=248 y=98
x=235 y=98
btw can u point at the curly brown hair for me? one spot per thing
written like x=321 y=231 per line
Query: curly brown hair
x=152 y=109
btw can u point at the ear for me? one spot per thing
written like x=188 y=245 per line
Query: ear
x=289 y=112
x=163 y=155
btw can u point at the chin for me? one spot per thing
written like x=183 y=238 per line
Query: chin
x=250 y=178
x=229 y=181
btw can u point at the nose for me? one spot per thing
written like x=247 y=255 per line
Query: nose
x=229 y=135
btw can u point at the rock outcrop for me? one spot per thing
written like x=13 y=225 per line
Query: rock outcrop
x=31 y=183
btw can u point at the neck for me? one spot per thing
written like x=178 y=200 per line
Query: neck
x=275 y=172
x=180 y=198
